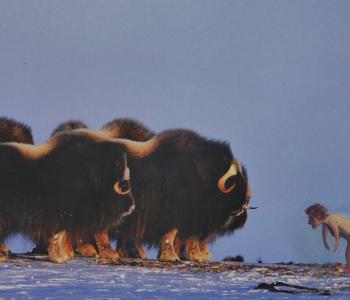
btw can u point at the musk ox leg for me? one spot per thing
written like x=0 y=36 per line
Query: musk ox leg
x=123 y=250
x=85 y=249
x=4 y=252
x=167 y=251
x=205 y=253
x=59 y=249
x=141 y=251
x=178 y=246
x=105 y=250
x=193 y=250
x=129 y=249
x=67 y=245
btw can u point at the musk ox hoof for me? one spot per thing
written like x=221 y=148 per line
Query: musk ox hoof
x=168 y=254
x=123 y=252
x=194 y=253
x=108 y=254
x=196 y=257
x=59 y=250
x=206 y=256
x=141 y=252
x=86 y=250
x=4 y=252
x=169 y=258
x=105 y=250
x=205 y=253
x=143 y=256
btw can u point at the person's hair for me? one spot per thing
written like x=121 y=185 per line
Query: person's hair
x=317 y=210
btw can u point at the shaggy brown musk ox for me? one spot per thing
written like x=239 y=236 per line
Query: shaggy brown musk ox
x=185 y=186
x=13 y=131
x=123 y=128
x=72 y=186
x=195 y=247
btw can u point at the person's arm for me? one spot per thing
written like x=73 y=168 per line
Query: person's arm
x=325 y=235
x=333 y=226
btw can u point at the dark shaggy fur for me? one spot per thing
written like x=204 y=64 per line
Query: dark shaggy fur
x=126 y=128
x=14 y=131
x=69 y=125
x=70 y=188
x=176 y=187
x=129 y=129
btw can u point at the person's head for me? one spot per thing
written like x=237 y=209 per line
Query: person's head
x=316 y=213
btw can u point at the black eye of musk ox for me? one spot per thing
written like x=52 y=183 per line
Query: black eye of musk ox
x=61 y=190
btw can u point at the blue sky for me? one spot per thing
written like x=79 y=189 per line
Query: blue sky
x=270 y=77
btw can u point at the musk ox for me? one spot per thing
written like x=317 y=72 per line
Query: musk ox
x=195 y=248
x=185 y=186
x=13 y=131
x=123 y=128
x=73 y=186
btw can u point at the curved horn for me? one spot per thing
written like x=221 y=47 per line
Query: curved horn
x=232 y=171
x=139 y=149
x=32 y=151
x=97 y=135
x=135 y=148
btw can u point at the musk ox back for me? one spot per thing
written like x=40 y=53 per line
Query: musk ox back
x=70 y=187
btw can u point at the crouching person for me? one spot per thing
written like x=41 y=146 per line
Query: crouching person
x=337 y=225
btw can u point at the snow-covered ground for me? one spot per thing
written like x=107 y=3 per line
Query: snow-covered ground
x=85 y=279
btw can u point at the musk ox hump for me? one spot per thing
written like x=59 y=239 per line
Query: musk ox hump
x=68 y=125
x=14 y=131
x=128 y=129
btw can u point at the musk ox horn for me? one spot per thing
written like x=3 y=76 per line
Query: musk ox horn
x=32 y=151
x=138 y=149
x=98 y=135
x=232 y=171
x=135 y=148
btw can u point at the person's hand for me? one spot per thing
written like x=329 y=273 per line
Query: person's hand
x=327 y=246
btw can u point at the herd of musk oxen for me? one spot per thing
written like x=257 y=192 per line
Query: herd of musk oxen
x=175 y=190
